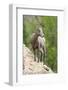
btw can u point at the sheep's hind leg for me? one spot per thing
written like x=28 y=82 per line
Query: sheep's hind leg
x=34 y=55
x=38 y=55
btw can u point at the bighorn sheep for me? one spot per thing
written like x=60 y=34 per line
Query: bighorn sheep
x=38 y=44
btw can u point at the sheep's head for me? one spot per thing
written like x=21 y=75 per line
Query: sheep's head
x=40 y=31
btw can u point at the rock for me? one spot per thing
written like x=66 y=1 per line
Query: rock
x=31 y=66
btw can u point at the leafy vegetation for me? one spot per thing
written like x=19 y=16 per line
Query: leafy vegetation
x=49 y=25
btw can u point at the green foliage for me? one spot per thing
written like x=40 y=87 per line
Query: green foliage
x=49 y=25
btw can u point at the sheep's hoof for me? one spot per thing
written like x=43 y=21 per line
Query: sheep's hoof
x=37 y=61
x=34 y=59
x=40 y=60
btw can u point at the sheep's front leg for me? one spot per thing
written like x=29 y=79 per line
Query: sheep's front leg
x=38 y=54
x=44 y=55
